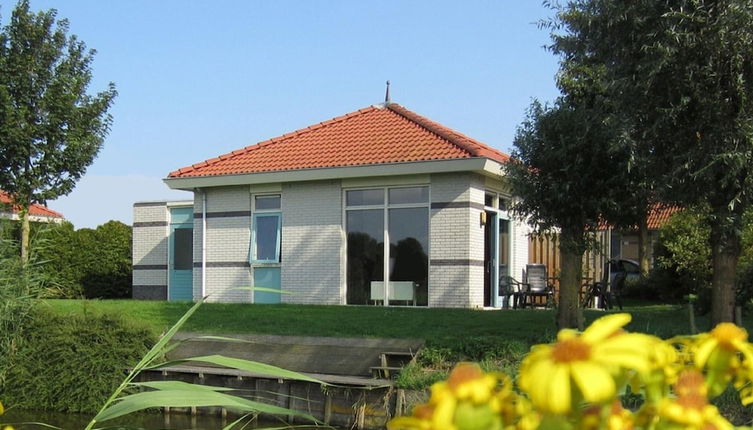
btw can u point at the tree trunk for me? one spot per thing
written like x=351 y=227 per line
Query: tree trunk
x=725 y=252
x=568 y=309
x=643 y=243
x=25 y=233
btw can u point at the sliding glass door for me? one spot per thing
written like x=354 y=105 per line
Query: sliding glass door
x=400 y=217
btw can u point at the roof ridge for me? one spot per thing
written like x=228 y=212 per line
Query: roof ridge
x=468 y=144
x=273 y=140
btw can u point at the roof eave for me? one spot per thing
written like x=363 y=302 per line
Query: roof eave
x=484 y=166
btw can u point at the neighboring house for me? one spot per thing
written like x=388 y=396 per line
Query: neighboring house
x=37 y=212
x=613 y=244
x=309 y=213
x=623 y=244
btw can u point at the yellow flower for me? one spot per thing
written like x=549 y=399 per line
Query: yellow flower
x=469 y=400
x=720 y=352
x=691 y=408
x=583 y=367
x=615 y=416
x=665 y=364
x=716 y=348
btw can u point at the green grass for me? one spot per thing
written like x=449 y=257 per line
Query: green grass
x=439 y=327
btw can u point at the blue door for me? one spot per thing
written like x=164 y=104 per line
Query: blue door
x=180 y=270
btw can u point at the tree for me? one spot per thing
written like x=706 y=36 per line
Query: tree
x=583 y=78
x=50 y=128
x=679 y=74
x=560 y=169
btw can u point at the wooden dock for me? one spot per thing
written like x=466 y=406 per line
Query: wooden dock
x=360 y=394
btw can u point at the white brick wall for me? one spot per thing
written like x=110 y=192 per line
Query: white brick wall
x=312 y=242
x=228 y=240
x=197 y=241
x=452 y=235
x=312 y=246
x=151 y=224
x=520 y=231
x=476 y=235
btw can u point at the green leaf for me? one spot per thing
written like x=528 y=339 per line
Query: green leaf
x=28 y=423
x=179 y=385
x=184 y=399
x=247 y=365
x=234 y=423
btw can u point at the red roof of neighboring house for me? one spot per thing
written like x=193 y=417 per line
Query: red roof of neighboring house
x=374 y=135
x=658 y=215
x=35 y=209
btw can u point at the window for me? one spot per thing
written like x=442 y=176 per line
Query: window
x=262 y=203
x=399 y=217
x=183 y=249
x=266 y=230
x=364 y=197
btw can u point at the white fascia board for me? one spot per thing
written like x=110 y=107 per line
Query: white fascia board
x=32 y=218
x=179 y=203
x=481 y=165
x=493 y=169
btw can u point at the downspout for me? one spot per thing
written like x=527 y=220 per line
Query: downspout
x=203 y=243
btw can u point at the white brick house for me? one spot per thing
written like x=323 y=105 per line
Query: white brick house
x=309 y=214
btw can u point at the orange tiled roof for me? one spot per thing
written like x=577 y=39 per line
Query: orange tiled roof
x=35 y=209
x=658 y=215
x=373 y=135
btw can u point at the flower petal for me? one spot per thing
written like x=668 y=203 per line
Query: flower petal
x=593 y=381
x=605 y=327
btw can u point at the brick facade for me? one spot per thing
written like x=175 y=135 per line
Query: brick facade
x=313 y=242
x=149 y=252
x=228 y=221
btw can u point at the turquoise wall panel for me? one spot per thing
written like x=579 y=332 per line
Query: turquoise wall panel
x=267 y=277
x=181 y=285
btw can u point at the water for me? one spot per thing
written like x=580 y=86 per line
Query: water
x=145 y=421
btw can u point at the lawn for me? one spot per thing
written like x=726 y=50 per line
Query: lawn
x=439 y=327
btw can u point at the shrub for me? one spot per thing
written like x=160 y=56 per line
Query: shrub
x=71 y=363
x=683 y=258
x=95 y=263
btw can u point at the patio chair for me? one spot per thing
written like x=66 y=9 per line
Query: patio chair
x=537 y=286
x=606 y=293
x=511 y=291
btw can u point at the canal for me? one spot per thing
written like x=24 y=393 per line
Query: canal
x=144 y=421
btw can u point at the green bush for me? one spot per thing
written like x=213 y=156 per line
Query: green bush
x=71 y=363
x=94 y=263
x=434 y=363
x=683 y=258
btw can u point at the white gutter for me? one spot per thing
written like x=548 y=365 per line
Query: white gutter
x=203 y=243
x=481 y=165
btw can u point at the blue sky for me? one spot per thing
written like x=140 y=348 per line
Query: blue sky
x=200 y=78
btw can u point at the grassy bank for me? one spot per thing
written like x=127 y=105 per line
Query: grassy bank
x=439 y=327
